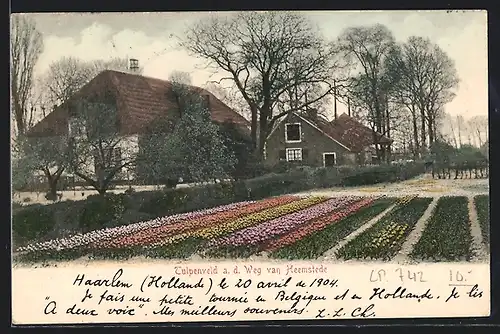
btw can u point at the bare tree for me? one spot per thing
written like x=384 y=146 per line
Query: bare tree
x=180 y=78
x=26 y=45
x=68 y=75
x=461 y=129
x=98 y=151
x=265 y=54
x=367 y=49
x=449 y=129
x=424 y=78
x=478 y=126
x=49 y=156
x=64 y=78
x=230 y=97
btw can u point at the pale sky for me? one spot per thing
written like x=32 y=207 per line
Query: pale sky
x=150 y=37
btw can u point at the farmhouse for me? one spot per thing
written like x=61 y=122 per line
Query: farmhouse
x=310 y=139
x=140 y=103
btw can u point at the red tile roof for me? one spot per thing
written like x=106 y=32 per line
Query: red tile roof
x=140 y=100
x=348 y=131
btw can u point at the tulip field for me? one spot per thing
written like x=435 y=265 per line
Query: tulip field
x=286 y=227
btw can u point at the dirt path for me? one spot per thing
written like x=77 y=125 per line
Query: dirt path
x=330 y=254
x=414 y=237
x=478 y=246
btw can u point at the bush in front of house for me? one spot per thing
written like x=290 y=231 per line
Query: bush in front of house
x=268 y=185
x=371 y=175
x=207 y=196
x=164 y=202
x=33 y=222
x=100 y=210
x=382 y=174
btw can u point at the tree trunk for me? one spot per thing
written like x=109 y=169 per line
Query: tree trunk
x=253 y=129
x=263 y=131
x=53 y=188
x=416 y=146
x=101 y=191
x=431 y=132
x=52 y=180
x=423 y=132
x=388 y=132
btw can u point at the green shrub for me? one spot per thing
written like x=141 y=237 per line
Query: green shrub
x=100 y=210
x=250 y=170
x=32 y=223
x=240 y=191
x=165 y=202
x=271 y=185
x=326 y=177
x=482 y=203
x=208 y=196
x=382 y=174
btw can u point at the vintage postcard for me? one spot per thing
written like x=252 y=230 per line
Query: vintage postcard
x=244 y=166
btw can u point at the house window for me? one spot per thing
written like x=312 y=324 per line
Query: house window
x=329 y=159
x=293 y=154
x=293 y=133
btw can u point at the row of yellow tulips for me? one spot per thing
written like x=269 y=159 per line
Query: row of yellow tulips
x=252 y=219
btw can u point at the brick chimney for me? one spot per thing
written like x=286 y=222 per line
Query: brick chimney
x=133 y=65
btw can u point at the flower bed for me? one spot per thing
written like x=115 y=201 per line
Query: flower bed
x=257 y=218
x=185 y=244
x=447 y=234
x=482 y=203
x=245 y=242
x=384 y=239
x=267 y=230
x=315 y=225
x=199 y=238
x=103 y=235
x=204 y=232
x=317 y=243
x=157 y=234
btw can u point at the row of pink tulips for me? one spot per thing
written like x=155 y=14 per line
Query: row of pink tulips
x=257 y=234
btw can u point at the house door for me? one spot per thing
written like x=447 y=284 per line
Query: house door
x=329 y=159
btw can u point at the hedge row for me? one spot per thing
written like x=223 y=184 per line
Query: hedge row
x=482 y=203
x=58 y=219
x=307 y=178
